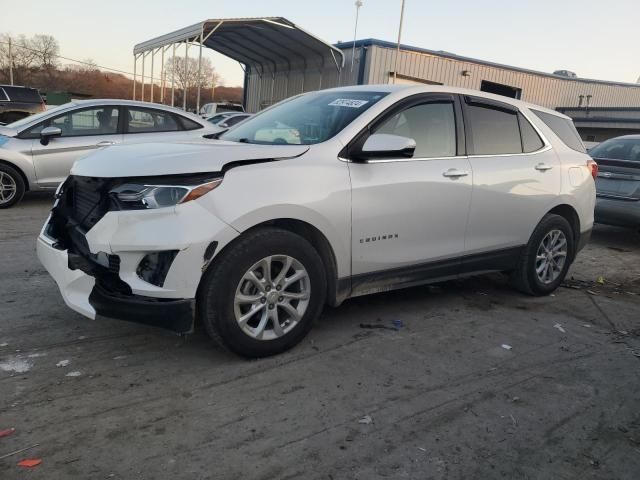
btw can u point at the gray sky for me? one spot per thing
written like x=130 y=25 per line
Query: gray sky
x=596 y=39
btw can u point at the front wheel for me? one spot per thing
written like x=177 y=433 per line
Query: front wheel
x=262 y=296
x=546 y=258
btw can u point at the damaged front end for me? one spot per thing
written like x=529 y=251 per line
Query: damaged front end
x=81 y=203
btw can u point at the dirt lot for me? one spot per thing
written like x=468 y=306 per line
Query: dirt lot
x=445 y=399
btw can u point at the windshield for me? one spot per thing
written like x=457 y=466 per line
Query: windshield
x=618 y=149
x=34 y=118
x=306 y=119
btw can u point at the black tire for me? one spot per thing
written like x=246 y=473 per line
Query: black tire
x=525 y=278
x=218 y=288
x=16 y=180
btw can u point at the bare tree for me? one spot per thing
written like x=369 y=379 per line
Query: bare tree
x=46 y=51
x=189 y=79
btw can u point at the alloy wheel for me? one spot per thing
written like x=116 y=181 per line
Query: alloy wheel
x=7 y=188
x=551 y=256
x=272 y=297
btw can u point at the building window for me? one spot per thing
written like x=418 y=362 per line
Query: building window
x=499 y=89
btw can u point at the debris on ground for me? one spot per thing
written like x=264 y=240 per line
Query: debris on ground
x=366 y=420
x=600 y=280
x=63 y=363
x=4 y=344
x=29 y=462
x=577 y=284
x=15 y=452
x=6 y=432
x=398 y=324
x=73 y=374
x=560 y=328
x=506 y=347
x=377 y=325
x=15 y=365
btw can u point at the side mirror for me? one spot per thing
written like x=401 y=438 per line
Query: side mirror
x=48 y=133
x=384 y=145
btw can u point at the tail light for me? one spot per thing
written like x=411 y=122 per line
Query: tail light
x=593 y=166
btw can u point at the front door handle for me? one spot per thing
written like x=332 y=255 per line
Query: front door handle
x=455 y=173
x=543 y=167
x=105 y=143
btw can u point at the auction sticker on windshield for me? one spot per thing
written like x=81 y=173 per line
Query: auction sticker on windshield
x=347 y=102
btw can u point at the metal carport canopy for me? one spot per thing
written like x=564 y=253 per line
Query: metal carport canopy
x=269 y=44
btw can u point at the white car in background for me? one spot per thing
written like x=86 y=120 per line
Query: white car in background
x=37 y=152
x=224 y=121
x=380 y=187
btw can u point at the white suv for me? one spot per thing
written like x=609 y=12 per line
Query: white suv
x=325 y=196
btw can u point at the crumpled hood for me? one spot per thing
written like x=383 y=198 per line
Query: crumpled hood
x=150 y=159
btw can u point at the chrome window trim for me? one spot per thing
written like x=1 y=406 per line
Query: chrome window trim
x=390 y=160
x=543 y=149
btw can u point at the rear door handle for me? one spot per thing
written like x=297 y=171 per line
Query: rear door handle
x=105 y=143
x=543 y=167
x=455 y=173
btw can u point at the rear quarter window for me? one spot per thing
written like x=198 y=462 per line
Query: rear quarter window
x=563 y=128
x=189 y=124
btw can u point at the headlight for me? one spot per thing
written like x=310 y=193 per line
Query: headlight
x=138 y=196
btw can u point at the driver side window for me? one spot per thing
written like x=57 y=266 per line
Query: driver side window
x=78 y=123
x=431 y=125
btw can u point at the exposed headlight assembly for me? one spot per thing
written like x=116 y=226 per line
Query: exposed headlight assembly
x=140 y=196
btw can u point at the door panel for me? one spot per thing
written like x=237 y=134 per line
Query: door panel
x=83 y=131
x=512 y=189
x=408 y=212
x=412 y=211
x=509 y=198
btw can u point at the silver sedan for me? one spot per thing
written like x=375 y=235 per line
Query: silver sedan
x=37 y=152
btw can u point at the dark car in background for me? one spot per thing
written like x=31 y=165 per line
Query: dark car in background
x=618 y=182
x=19 y=102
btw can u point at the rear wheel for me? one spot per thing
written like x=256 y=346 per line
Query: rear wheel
x=11 y=186
x=262 y=296
x=547 y=257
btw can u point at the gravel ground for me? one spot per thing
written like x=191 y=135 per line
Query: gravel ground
x=440 y=398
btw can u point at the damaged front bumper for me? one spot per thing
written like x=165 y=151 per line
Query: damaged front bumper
x=142 y=266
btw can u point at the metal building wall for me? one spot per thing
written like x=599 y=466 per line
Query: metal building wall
x=266 y=89
x=540 y=89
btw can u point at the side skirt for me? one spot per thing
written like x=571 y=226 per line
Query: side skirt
x=430 y=272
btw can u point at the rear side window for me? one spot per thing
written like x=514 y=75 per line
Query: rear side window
x=493 y=131
x=3 y=96
x=26 y=95
x=431 y=125
x=142 y=120
x=563 y=128
x=189 y=124
x=531 y=141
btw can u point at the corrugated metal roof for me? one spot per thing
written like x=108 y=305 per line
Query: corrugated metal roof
x=367 y=42
x=266 y=44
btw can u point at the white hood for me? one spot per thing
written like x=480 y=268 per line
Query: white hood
x=150 y=159
x=8 y=132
